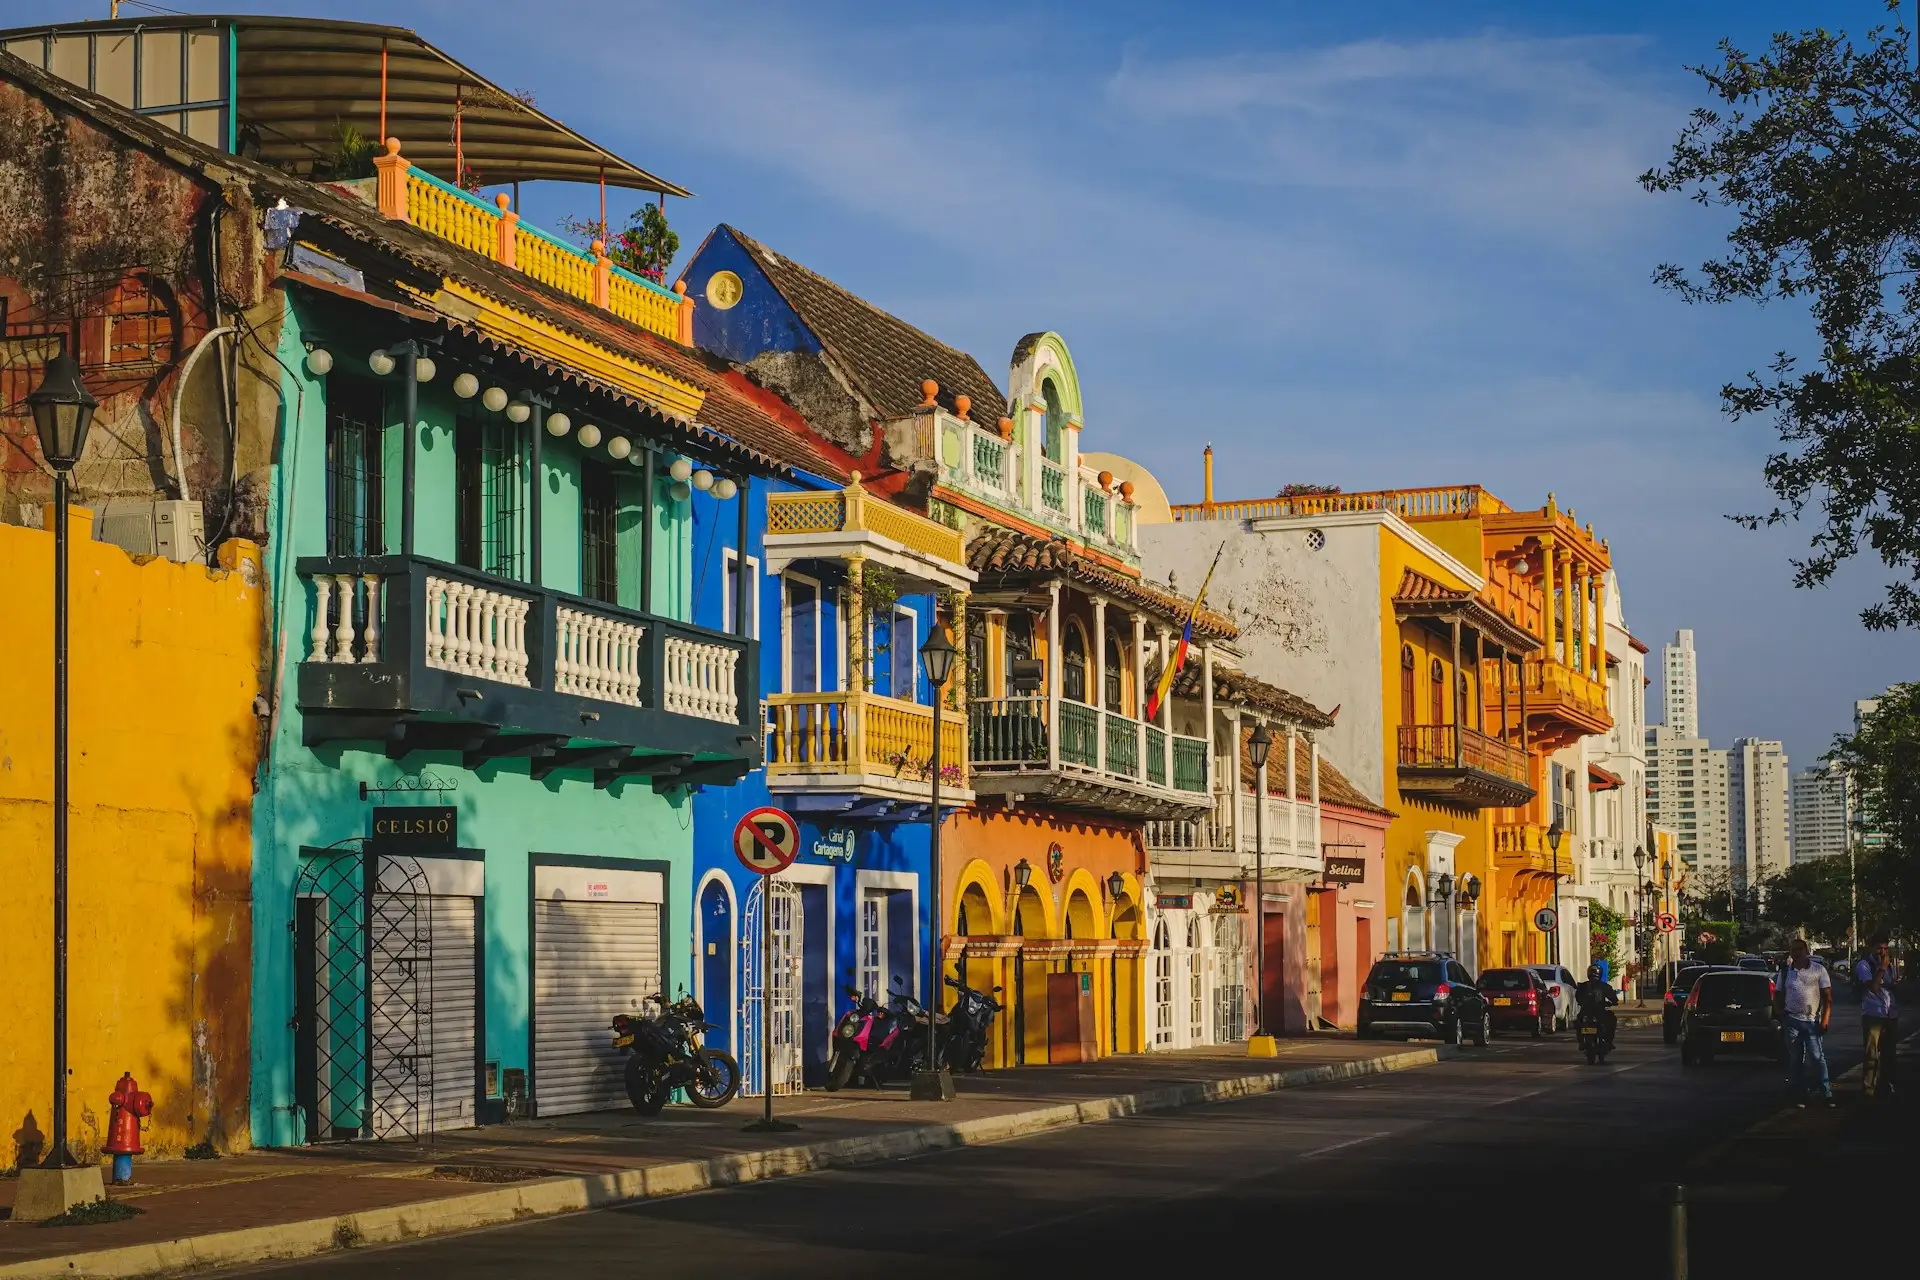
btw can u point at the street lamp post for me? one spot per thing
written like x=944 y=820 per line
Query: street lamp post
x=1258 y=745
x=934 y=1083
x=1443 y=894
x=1640 y=888
x=62 y=413
x=1554 y=835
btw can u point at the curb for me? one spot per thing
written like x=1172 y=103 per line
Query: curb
x=549 y=1196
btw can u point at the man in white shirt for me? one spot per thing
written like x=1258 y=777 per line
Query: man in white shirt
x=1807 y=1007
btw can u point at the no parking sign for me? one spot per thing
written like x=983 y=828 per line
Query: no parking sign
x=766 y=840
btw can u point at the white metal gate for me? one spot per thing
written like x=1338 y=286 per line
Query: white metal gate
x=788 y=949
x=1229 y=978
x=1162 y=986
x=1196 y=966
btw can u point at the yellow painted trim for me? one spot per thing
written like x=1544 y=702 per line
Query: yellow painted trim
x=1080 y=880
x=674 y=395
x=979 y=873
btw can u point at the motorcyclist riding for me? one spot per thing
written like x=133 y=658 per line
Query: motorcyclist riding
x=1594 y=996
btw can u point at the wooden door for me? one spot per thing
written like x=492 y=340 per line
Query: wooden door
x=1273 y=977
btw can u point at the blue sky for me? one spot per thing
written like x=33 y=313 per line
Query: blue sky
x=1371 y=245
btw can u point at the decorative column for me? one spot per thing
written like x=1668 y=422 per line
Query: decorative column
x=1100 y=678
x=1166 y=710
x=1233 y=784
x=1454 y=696
x=855 y=678
x=1260 y=799
x=1293 y=790
x=1053 y=674
x=1546 y=608
x=1566 y=586
x=506 y=249
x=1206 y=709
x=1140 y=689
x=959 y=683
x=1313 y=790
x=390 y=182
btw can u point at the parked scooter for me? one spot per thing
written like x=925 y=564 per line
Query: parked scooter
x=666 y=1054
x=861 y=1034
x=969 y=1022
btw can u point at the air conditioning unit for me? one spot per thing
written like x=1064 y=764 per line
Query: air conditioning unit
x=170 y=528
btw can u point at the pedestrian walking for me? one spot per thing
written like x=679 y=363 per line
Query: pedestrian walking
x=1806 y=997
x=1879 y=1019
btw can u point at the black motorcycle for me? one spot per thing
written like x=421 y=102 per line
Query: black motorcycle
x=861 y=1037
x=1594 y=1041
x=665 y=1054
x=969 y=1022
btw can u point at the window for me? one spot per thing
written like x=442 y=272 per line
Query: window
x=1439 y=693
x=1115 y=663
x=802 y=633
x=1054 y=442
x=488 y=472
x=1073 y=669
x=976 y=658
x=599 y=543
x=873 y=945
x=1460 y=699
x=893 y=645
x=733 y=593
x=356 y=419
x=137 y=328
x=1408 y=715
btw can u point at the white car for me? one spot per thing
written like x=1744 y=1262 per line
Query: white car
x=1560 y=985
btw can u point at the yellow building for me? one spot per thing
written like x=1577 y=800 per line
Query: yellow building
x=163 y=739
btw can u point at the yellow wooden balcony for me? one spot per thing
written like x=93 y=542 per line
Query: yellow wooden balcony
x=494 y=231
x=1563 y=704
x=1522 y=846
x=864 y=744
x=835 y=525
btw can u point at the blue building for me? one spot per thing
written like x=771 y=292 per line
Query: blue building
x=844 y=588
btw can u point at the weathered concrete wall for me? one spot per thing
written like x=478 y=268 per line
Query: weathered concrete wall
x=128 y=259
x=163 y=741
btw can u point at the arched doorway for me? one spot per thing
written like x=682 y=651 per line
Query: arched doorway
x=1125 y=1011
x=1413 y=917
x=1029 y=1003
x=1196 y=975
x=1229 y=977
x=718 y=950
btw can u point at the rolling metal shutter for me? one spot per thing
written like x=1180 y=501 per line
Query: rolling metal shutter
x=592 y=960
x=452 y=1018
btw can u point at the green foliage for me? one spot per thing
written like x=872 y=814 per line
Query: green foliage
x=203 y=1150
x=1814 y=147
x=645 y=246
x=352 y=156
x=1883 y=759
x=1722 y=945
x=1604 y=927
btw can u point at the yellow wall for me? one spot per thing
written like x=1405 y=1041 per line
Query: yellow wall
x=1407 y=834
x=163 y=674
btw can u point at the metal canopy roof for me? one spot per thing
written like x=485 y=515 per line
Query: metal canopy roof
x=297 y=78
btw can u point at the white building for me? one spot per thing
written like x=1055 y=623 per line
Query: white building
x=1687 y=792
x=1616 y=772
x=1820 y=811
x=1680 y=677
x=1757 y=828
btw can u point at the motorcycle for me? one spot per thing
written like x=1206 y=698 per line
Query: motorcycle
x=969 y=1021
x=1593 y=1042
x=860 y=1034
x=665 y=1054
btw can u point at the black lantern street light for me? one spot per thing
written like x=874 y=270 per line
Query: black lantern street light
x=62 y=412
x=1022 y=873
x=934 y=1083
x=1443 y=895
x=1640 y=911
x=1554 y=835
x=1116 y=886
x=1257 y=748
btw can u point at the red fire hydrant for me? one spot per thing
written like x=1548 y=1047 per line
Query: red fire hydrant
x=130 y=1106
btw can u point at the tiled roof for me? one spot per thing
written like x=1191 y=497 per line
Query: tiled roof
x=731 y=421
x=1335 y=788
x=886 y=358
x=1002 y=554
x=1420 y=595
x=1239 y=687
x=1599 y=779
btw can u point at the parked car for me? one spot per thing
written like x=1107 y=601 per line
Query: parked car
x=1560 y=984
x=1728 y=1011
x=1422 y=993
x=1676 y=998
x=1758 y=963
x=1519 y=1000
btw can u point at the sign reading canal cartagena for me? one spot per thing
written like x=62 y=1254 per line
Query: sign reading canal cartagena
x=416 y=828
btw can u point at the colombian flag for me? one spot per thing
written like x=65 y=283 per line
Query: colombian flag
x=1179 y=660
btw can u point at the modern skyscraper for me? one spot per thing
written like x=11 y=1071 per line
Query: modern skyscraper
x=1820 y=811
x=1757 y=830
x=1687 y=791
x=1680 y=675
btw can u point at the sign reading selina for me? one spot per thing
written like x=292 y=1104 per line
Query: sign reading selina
x=1345 y=869
x=415 y=828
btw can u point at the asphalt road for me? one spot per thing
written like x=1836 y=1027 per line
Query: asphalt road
x=1517 y=1154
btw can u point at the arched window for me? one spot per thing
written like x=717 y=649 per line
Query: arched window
x=1115 y=663
x=1409 y=713
x=1073 y=667
x=1460 y=703
x=1054 y=442
x=1439 y=692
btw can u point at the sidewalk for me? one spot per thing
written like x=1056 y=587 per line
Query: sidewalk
x=295 y=1203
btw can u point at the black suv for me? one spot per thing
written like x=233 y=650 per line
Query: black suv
x=1422 y=993
x=1728 y=1011
x=1676 y=1000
